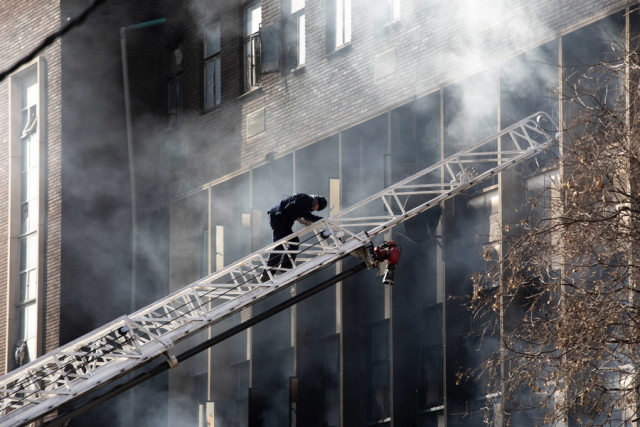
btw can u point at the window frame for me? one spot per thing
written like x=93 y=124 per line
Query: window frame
x=338 y=34
x=296 y=16
x=26 y=191
x=395 y=11
x=174 y=84
x=251 y=49
x=343 y=25
x=215 y=59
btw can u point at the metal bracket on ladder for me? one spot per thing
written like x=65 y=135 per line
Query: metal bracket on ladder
x=171 y=360
x=102 y=356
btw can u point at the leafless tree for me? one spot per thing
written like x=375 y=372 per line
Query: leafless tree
x=564 y=298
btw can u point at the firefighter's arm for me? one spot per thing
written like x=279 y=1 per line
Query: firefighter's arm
x=311 y=217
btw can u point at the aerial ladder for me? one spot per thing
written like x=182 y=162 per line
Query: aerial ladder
x=132 y=341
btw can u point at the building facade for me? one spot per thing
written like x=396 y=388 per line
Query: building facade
x=235 y=105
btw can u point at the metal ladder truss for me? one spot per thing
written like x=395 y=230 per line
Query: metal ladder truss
x=129 y=342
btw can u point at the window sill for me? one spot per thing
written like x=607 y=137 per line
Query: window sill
x=382 y=421
x=392 y=25
x=300 y=69
x=340 y=51
x=172 y=127
x=211 y=110
x=251 y=94
x=430 y=410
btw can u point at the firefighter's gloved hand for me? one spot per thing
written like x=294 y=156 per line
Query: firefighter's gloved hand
x=304 y=222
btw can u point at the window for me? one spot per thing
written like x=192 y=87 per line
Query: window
x=393 y=10
x=378 y=370
x=174 y=83
x=343 y=22
x=295 y=33
x=252 y=21
x=430 y=386
x=338 y=23
x=211 y=73
x=331 y=380
x=25 y=215
x=28 y=242
x=385 y=12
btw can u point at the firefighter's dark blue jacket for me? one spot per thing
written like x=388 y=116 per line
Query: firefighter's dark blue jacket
x=294 y=207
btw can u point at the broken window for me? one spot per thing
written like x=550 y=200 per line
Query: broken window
x=338 y=23
x=295 y=35
x=269 y=36
x=212 y=86
x=252 y=21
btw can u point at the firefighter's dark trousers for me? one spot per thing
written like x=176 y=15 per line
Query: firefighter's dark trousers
x=280 y=231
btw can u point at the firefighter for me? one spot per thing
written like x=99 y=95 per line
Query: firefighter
x=282 y=216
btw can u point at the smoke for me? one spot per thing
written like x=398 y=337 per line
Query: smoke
x=177 y=160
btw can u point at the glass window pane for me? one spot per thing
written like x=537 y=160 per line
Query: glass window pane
x=33 y=151
x=212 y=40
x=32 y=184
x=28 y=285
x=31 y=320
x=24 y=286
x=27 y=328
x=253 y=19
x=296 y=5
x=32 y=284
x=25 y=219
x=29 y=185
x=28 y=252
x=23 y=254
x=216 y=80
x=301 y=40
x=340 y=22
x=347 y=21
x=26 y=322
x=25 y=151
x=29 y=95
x=22 y=323
x=24 y=183
x=32 y=251
x=395 y=9
x=209 y=75
x=32 y=92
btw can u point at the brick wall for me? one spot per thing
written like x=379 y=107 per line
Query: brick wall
x=434 y=47
x=23 y=25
